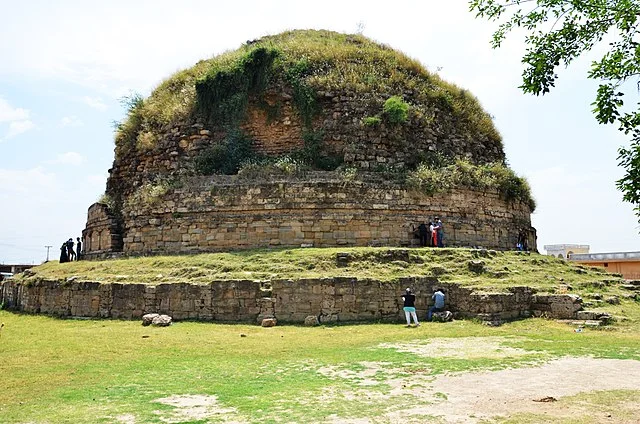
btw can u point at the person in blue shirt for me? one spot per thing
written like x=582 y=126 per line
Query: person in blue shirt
x=438 y=303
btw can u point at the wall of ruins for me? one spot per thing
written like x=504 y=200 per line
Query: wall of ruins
x=339 y=121
x=102 y=233
x=222 y=212
x=330 y=299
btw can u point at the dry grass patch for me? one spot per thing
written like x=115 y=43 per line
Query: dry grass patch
x=465 y=347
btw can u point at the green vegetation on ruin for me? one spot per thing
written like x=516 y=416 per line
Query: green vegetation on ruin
x=451 y=265
x=431 y=179
x=310 y=61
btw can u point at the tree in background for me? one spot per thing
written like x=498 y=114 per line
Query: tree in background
x=559 y=31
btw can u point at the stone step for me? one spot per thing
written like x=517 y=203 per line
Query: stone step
x=632 y=287
x=588 y=323
x=592 y=315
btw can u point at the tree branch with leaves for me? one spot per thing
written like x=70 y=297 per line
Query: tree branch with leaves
x=559 y=31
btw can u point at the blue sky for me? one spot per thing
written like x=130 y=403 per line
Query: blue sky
x=65 y=64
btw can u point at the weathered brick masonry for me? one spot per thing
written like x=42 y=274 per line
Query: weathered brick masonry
x=330 y=299
x=159 y=204
x=223 y=212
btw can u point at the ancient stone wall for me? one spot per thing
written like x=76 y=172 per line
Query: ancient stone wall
x=102 y=233
x=221 y=212
x=329 y=299
x=339 y=122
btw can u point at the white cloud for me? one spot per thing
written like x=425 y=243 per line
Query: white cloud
x=10 y=114
x=31 y=181
x=69 y=158
x=94 y=102
x=18 y=127
x=71 y=121
x=17 y=119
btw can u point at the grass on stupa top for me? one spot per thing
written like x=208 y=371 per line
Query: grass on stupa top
x=503 y=270
x=338 y=63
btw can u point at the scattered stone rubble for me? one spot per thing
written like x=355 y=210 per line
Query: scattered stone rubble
x=157 y=320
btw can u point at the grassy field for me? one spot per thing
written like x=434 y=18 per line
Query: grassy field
x=108 y=371
x=503 y=269
x=84 y=371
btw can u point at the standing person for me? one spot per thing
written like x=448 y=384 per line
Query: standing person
x=439 y=227
x=434 y=234
x=78 y=248
x=70 y=252
x=438 y=303
x=423 y=232
x=520 y=241
x=409 y=308
x=430 y=238
x=63 y=253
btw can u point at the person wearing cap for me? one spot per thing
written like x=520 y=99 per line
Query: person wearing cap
x=409 y=308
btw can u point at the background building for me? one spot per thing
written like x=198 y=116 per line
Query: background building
x=565 y=250
x=625 y=263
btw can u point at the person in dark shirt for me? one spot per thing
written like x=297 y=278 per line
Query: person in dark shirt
x=423 y=233
x=63 y=253
x=78 y=248
x=409 y=307
x=70 y=251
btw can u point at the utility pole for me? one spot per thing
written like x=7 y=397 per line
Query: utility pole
x=48 y=247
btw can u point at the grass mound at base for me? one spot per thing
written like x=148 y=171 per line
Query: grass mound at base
x=499 y=270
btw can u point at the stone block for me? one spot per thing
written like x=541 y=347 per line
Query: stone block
x=311 y=321
x=269 y=322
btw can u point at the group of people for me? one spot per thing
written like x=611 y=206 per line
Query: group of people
x=67 y=253
x=409 y=299
x=431 y=234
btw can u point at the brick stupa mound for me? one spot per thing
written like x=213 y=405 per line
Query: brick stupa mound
x=306 y=138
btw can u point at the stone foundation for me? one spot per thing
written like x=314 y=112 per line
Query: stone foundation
x=223 y=212
x=330 y=299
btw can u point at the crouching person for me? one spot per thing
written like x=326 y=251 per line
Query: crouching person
x=438 y=303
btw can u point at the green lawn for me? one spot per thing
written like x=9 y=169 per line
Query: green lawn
x=107 y=371
x=86 y=371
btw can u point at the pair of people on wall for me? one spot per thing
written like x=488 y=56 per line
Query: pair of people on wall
x=409 y=307
x=431 y=234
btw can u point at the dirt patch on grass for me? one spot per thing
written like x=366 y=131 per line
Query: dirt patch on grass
x=196 y=407
x=473 y=396
x=126 y=419
x=547 y=391
x=369 y=374
x=476 y=397
x=463 y=348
